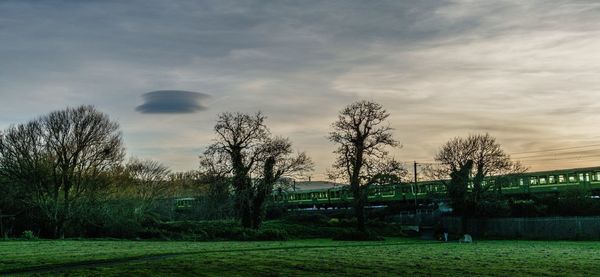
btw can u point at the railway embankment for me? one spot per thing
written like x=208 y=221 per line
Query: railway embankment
x=536 y=228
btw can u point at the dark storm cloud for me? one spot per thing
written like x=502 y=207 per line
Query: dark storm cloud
x=172 y=101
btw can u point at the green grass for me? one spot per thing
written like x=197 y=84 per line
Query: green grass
x=308 y=257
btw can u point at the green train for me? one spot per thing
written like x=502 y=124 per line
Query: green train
x=517 y=185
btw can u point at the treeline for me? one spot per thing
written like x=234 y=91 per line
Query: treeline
x=64 y=174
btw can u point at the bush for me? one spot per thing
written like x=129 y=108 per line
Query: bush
x=307 y=218
x=334 y=221
x=493 y=206
x=213 y=230
x=576 y=202
x=275 y=212
x=527 y=208
x=272 y=234
x=28 y=234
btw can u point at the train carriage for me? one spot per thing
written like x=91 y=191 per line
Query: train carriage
x=525 y=184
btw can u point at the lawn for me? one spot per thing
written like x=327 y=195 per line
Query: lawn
x=302 y=257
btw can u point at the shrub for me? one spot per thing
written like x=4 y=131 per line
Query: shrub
x=334 y=221
x=307 y=218
x=28 y=234
x=527 y=208
x=493 y=206
x=275 y=212
x=272 y=234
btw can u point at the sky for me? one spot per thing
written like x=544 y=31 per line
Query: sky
x=527 y=72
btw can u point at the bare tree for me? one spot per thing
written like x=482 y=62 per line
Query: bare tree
x=191 y=182
x=362 y=138
x=147 y=182
x=243 y=147
x=238 y=146
x=469 y=161
x=277 y=161
x=486 y=155
x=60 y=157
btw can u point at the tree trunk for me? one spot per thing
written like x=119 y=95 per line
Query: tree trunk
x=257 y=215
x=245 y=208
x=359 y=209
x=263 y=190
x=359 y=204
x=360 y=218
x=465 y=224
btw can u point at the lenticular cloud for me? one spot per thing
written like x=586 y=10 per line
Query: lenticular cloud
x=172 y=101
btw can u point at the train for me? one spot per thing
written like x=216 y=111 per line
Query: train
x=514 y=185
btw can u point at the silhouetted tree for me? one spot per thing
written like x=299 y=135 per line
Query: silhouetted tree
x=362 y=138
x=469 y=161
x=146 y=182
x=277 y=161
x=244 y=149
x=487 y=157
x=60 y=157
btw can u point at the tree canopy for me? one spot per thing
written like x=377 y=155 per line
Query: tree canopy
x=60 y=158
x=245 y=152
x=363 y=140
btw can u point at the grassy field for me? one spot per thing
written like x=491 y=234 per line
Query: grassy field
x=300 y=258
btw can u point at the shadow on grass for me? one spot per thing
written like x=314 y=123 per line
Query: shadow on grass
x=117 y=261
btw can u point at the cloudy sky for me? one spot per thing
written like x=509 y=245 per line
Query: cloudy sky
x=528 y=72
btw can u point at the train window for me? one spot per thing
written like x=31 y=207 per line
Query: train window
x=551 y=179
x=542 y=180
x=520 y=182
x=581 y=178
x=533 y=180
x=561 y=178
x=572 y=179
x=587 y=177
x=597 y=176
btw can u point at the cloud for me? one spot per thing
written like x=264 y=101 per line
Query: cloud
x=172 y=101
x=526 y=71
